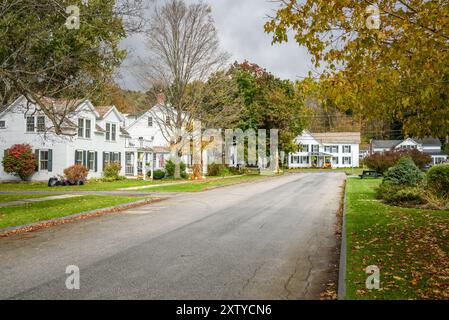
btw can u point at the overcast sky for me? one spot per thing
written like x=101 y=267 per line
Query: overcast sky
x=240 y=29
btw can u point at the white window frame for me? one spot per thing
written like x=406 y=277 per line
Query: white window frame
x=87 y=129
x=150 y=122
x=81 y=127
x=82 y=157
x=27 y=123
x=38 y=128
x=346 y=147
x=347 y=160
x=111 y=134
x=41 y=160
x=2 y=124
x=90 y=160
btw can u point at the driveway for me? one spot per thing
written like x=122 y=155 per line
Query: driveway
x=272 y=239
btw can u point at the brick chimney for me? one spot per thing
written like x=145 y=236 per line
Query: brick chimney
x=160 y=98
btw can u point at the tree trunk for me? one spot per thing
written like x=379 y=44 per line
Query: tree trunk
x=177 y=162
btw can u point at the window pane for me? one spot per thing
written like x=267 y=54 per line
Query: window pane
x=150 y=121
x=44 y=160
x=108 y=131
x=88 y=128
x=30 y=124
x=80 y=127
x=114 y=127
x=41 y=124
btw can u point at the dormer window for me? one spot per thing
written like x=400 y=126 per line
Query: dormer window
x=84 y=128
x=30 y=124
x=111 y=132
x=40 y=123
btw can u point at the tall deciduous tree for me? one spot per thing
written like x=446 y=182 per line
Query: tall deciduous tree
x=387 y=58
x=183 y=49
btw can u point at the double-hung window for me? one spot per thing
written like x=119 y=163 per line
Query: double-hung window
x=315 y=148
x=40 y=123
x=79 y=157
x=346 y=149
x=43 y=160
x=111 y=132
x=91 y=160
x=30 y=124
x=81 y=128
x=150 y=122
x=347 y=160
x=88 y=128
x=2 y=124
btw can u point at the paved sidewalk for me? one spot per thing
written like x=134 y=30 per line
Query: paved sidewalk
x=25 y=201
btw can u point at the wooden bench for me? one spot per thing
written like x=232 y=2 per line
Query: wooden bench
x=370 y=174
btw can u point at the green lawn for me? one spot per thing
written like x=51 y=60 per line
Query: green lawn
x=196 y=186
x=410 y=246
x=45 y=210
x=90 y=186
x=15 y=197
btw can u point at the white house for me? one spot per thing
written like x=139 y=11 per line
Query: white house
x=94 y=137
x=431 y=146
x=328 y=149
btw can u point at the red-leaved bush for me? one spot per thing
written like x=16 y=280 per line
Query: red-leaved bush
x=20 y=161
x=382 y=161
x=76 y=172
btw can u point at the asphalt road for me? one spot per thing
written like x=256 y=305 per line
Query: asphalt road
x=273 y=239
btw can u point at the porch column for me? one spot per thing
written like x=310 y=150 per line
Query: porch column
x=135 y=163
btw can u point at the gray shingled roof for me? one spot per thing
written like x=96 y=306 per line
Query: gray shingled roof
x=429 y=141
x=385 y=144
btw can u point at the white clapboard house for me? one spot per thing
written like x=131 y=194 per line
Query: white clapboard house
x=431 y=146
x=93 y=136
x=327 y=149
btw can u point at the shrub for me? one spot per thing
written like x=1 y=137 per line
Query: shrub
x=158 y=174
x=170 y=169
x=407 y=196
x=214 y=169
x=381 y=162
x=404 y=173
x=438 y=179
x=76 y=172
x=20 y=161
x=111 y=171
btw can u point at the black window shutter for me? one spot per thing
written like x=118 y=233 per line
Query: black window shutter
x=111 y=157
x=84 y=158
x=104 y=160
x=74 y=159
x=50 y=160
x=96 y=161
x=120 y=158
x=36 y=152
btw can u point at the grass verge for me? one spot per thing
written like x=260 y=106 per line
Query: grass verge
x=46 y=210
x=89 y=186
x=410 y=247
x=16 y=197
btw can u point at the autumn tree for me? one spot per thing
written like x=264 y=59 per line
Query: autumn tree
x=62 y=49
x=383 y=59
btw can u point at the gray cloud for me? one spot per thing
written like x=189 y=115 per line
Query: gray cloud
x=240 y=29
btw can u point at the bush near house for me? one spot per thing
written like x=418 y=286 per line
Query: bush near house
x=438 y=179
x=111 y=171
x=76 y=172
x=404 y=173
x=381 y=162
x=20 y=161
x=158 y=174
x=170 y=169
